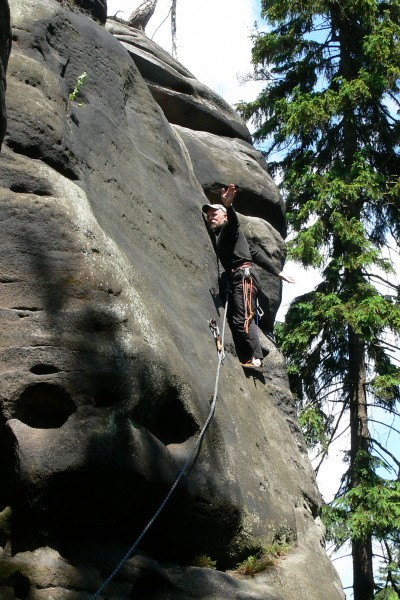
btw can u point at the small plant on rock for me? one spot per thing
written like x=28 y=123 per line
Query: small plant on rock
x=76 y=92
x=204 y=561
x=255 y=563
x=74 y=7
x=80 y=82
x=265 y=557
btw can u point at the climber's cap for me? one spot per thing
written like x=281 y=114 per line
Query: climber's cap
x=214 y=207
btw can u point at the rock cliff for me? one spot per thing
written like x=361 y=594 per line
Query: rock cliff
x=107 y=280
x=5 y=46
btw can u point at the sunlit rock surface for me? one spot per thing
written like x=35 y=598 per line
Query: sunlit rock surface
x=108 y=277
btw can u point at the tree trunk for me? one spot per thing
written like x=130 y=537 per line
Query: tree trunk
x=350 y=40
x=173 y=28
x=142 y=14
x=363 y=577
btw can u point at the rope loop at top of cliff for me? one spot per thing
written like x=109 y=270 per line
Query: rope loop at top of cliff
x=188 y=463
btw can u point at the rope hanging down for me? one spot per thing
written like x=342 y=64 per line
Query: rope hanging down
x=247 y=299
x=183 y=470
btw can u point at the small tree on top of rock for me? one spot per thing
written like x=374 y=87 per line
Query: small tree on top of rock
x=142 y=14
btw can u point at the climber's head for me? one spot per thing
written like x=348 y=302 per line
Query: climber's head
x=215 y=214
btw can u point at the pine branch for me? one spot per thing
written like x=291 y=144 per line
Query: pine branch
x=385 y=450
x=386 y=465
x=389 y=409
x=385 y=281
x=384 y=424
x=332 y=438
x=334 y=391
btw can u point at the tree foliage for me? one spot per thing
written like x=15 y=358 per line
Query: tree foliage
x=328 y=121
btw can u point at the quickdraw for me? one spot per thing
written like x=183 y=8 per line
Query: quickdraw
x=217 y=337
x=259 y=312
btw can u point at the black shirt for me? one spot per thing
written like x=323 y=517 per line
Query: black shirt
x=233 y=248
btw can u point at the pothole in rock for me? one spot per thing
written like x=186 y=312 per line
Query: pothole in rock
x=44 y=406
x=172 y=424
x=43 y=369
x=21 y=586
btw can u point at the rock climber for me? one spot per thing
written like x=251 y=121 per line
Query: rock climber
x=244 y=283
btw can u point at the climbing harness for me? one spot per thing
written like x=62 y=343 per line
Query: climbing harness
x=184 y=469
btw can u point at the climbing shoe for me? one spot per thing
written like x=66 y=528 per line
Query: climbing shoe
x=255 y=364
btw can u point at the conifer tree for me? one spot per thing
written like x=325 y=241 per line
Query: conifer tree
x=329 y=111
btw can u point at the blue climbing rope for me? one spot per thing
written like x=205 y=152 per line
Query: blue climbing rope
x=181 y=473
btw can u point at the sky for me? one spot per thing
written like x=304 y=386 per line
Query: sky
x=213 y=39
x=214 y=43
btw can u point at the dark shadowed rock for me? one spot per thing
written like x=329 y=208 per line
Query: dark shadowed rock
x=107 y=280
x=96 y=9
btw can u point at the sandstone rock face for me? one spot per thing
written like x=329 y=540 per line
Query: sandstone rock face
x=108 y=278
x=5 y=46
x=96 y=9
x=184 y=100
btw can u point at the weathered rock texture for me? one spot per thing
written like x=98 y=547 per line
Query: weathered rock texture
x=5 y=46
x=107 y=279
